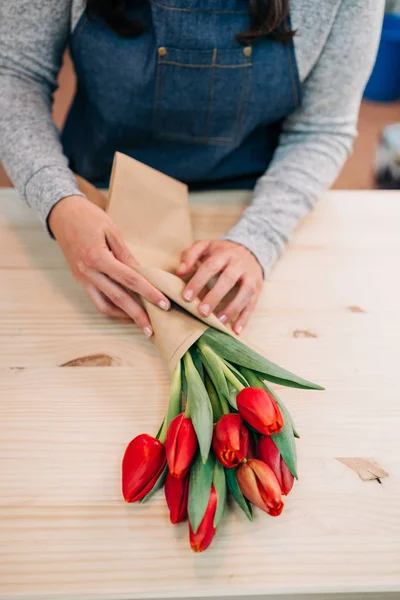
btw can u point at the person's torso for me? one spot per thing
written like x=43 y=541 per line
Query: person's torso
x=184 y=97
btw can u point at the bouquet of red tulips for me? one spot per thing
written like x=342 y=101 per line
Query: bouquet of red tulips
x=225 y=432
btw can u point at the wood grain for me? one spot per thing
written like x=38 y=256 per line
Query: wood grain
x=65 y=533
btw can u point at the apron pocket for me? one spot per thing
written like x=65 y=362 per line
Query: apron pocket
x=201 y=96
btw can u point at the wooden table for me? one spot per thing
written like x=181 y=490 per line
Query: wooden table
x=330 y=312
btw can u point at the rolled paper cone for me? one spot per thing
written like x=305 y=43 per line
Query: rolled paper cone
x=152 y=212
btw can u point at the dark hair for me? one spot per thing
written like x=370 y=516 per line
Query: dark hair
x=269 y=19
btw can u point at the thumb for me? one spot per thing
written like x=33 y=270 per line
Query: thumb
x=191 y=255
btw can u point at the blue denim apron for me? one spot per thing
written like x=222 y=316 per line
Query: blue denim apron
x=185 y=97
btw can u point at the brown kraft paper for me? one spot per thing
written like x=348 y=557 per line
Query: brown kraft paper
x=151 y=211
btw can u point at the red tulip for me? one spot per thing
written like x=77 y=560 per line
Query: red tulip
x=260 y=410
x=230 y=440
x=203 y=537
x=180 y=445
x=259 y=484
x=176 y=495
x=144 y=461
x=269 y=453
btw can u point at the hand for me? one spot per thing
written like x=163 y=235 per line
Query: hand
x=100 y=261
x=236 y=266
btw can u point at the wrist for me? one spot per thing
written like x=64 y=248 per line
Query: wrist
x=65 y=206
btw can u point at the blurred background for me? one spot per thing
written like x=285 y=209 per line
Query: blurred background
x=375 y=161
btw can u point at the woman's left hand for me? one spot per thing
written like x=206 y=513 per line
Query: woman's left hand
x=234 y=264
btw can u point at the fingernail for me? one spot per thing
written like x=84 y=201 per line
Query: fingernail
x=205 y=309
x=164 y=305
x=223 y=318
x=182 y=267
x=188 y=295
x=148 y=332
x=238 y=329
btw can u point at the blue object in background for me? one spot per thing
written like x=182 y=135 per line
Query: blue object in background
x=384 y=83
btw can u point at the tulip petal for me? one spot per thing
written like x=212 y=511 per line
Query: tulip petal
x=259 y=484
x=159 y=482
x=176 y=495
x=248 y=484
x=230 y=440
x=202 y=538
x=268 y=487
x=270 y=455
x=284 y=440
x=258 y=408
x=143 y=462
x=287 y=479
x=180 y=445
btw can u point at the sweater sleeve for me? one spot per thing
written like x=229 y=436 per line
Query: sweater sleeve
x=33 y=35
x=317 y=138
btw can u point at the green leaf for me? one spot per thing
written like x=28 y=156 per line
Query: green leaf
x=160 y=430
x=234 y=489
x=213 y=367
x=232 y=396
x=285 y=442
x=158 y=484
x=201 y=478
x=285 y=412
x=231 y=349
x=175 y=401
x=199 y=408
x=184 y=383
x=283 y=382
x=196 y=356
x=285 y=439
x=220 y=488
x=214 y=399
x=237 y=373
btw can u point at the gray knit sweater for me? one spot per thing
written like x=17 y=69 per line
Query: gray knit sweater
x=335 y=46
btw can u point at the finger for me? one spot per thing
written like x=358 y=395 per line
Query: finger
x=225 y=282
x=119 y=249
x=102 y=303
x=131 y=279
x=206 y=271
x=245 y=295
x=191 y=255
x=244 y=316
x=122 y=299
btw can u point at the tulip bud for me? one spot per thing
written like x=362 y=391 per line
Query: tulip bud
x=180 y=445
x=144 y=461
x=203 y=537
x=269 y=453
x=230 y=440
x=176 y=495
x=258 y=484
x=260 y=410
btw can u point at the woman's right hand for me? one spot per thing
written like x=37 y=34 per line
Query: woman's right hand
x=100 y=261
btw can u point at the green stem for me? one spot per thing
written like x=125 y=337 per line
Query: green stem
x=214 y=399
x=188 y=364
x=231 y=377
x=252 y=378
x=175 y=401
x=224 y=404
